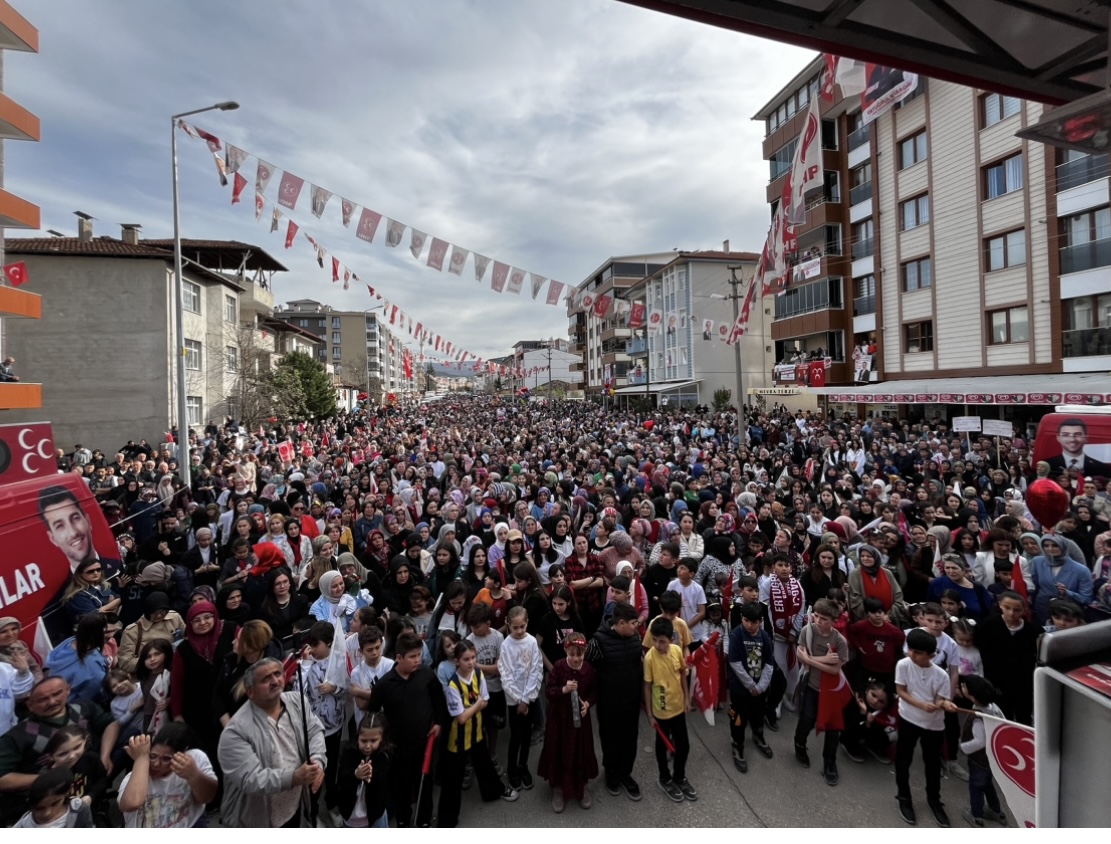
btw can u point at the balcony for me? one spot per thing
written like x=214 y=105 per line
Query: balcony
x=861 y=193
x=1085 y=342
x=577 y=366
x=633 y=380
x=1085 y=256
x=864 y=305
x=614 y=333
x=19 y=396
x=864 y=248
x=1072 y=174
x=636 y=346
x=808 y=298
x=255 y=300
x=860 y=137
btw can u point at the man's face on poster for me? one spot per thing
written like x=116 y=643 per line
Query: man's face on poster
x=69 y=530
x=1072 y=439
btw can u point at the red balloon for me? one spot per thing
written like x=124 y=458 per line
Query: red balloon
x=1047 y=501
x=649 y=424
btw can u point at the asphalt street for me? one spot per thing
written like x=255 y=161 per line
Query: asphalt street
x=775 y=792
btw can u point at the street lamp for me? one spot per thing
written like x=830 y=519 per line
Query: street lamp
x=179 y=289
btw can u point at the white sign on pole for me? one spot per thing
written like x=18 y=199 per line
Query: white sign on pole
x=998 y=428
x=966 y=423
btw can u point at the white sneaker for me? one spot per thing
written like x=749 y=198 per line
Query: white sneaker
x=957 y=771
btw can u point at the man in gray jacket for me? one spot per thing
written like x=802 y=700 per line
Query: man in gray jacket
x=263 y=755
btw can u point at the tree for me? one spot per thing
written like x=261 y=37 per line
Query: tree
x=429 y=379
x=722 y=399
x=374 y=391
x=319 y=397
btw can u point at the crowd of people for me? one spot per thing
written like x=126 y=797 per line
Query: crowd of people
x=347 y=637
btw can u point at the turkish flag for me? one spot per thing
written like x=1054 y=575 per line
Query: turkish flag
x=834 y=695
x=237 y=188
x=285 y=452
x=16 y=273
x=290 y=233
x=704 y=691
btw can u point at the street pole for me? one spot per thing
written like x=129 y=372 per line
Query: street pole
x=184 y=469
x=549 y=372
x=735 y=283
x=647 y=373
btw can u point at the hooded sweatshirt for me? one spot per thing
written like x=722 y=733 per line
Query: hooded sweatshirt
x=85 y=676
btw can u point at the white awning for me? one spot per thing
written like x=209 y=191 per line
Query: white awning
x=658 y=387
x=1064 y=388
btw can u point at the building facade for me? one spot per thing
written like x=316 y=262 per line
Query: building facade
x=105 y=346
x=941 y=245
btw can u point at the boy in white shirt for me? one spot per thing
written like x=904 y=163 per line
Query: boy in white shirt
x=694 y=599
x=925 y=692
x=934 y=619
x=370 y=669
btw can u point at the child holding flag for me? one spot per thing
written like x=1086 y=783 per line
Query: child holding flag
x=824 y=651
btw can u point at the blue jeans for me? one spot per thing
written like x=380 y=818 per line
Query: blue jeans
x=980 y=786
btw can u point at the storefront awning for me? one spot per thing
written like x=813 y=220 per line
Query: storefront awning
x=1066 y=388
x=662 y=387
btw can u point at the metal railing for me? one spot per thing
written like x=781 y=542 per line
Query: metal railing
x=864 y=248
x=861 y=193
x=1072 y=174
x=864 y=305
x=1085 y=256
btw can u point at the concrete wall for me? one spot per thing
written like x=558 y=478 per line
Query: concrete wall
x=100 y=349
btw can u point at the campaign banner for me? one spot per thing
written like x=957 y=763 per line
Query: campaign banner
x=784 y=372
x=886 y=87
x=808 y=270
x=26 y=451
x=1010 y=749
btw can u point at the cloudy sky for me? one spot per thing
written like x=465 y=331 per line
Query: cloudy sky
x=549 y=135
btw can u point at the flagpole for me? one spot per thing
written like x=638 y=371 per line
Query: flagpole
x=184 y=468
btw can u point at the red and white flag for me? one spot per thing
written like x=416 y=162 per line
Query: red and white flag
x=188 y=130
x=213 y=142
x=807 y=172
x=394 y=231
x=234 y=158
x=290 y=233
x=237 y=188
x=320 y=199
x=347 y=209
x=706 y=677
x=602 y=305
x=16 y=273
x=655 y=320
x=416 y=242
x=1010 y=749
x=834 y=694
x=368 y=225
x=221 y=169
x=458 y=260
x=501 y=273
x=481 y=262
x=285 y=451
x=829 y=77
x=263 y=174
x=335 y=269
x=275 y=218
x=537 y=282
x=516 y=281
x=289 y=189
x=346 y=278
x=554 y=289
x=260 y=204
x=437 y=253
x=636 y=315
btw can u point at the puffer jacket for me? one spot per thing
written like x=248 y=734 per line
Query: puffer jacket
x=142 y=631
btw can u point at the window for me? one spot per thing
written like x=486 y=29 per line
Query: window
x=829 y=134
x=231 y=358
x=1010 y=325
x=912 y=150
x=863 y=242
x=192 y=354
x=914 y=212
x=807 y=298
x=1086 y=241
x=860 y=183
x=864 y=295
x=230 y=309
x=918 y=337
x=302 y=323
x=996 y=107
x=1003 y=177
x=191 y=297
x=193 y=407
x=337 y=337
x=781 y=160
x=917 y=275
x=335 y=322
x=859 y=131
x=1005 y=250
x=336 y=353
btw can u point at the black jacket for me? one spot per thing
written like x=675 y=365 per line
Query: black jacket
x=412 y=706
x=377 y=792
x=618 y=661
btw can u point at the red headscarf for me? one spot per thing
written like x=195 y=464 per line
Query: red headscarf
x=269 y=557
x=205 y=646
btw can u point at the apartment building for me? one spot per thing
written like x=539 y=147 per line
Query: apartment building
x=105 y=348
x=943 y=256
x=686 y=363
x=357 y=345
x=601 y=342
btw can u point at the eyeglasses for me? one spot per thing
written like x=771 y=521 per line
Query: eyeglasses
x=97 y=570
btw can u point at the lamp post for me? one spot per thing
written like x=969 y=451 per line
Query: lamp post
x=179 y=288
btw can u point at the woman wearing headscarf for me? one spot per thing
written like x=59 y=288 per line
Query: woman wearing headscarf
x=871 y=580
x=334 y=604
x=716 y=568
x=620 y=548
x=196 y=663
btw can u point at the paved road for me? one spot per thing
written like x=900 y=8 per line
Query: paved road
x=775 y=792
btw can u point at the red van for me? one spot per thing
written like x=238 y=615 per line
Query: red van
x=1075 y=437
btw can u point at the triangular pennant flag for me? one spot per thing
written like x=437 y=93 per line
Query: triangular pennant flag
x=290 y=233
x=516 y=281
x=260 y=203
x=537 y=284
x=370 y=290
x=16 y=273
x=263 y=175
x=458 y=259
x=346 y=277
x=320 y=253
x=221 y=169
x=368 y=225
x=347 y=209
x=275 y=216
x=394 y=231
x=320 y=199
x=234 y=158
x=188 y=130
x=289 y=190
x=554 y=289
x=480 y=264
x=501 y=273
x=210 y=139
x=416 y=242
x=335 y=269
x=237 y=189
x=437 y=252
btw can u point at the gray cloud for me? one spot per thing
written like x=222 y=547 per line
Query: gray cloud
x=547 y=135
